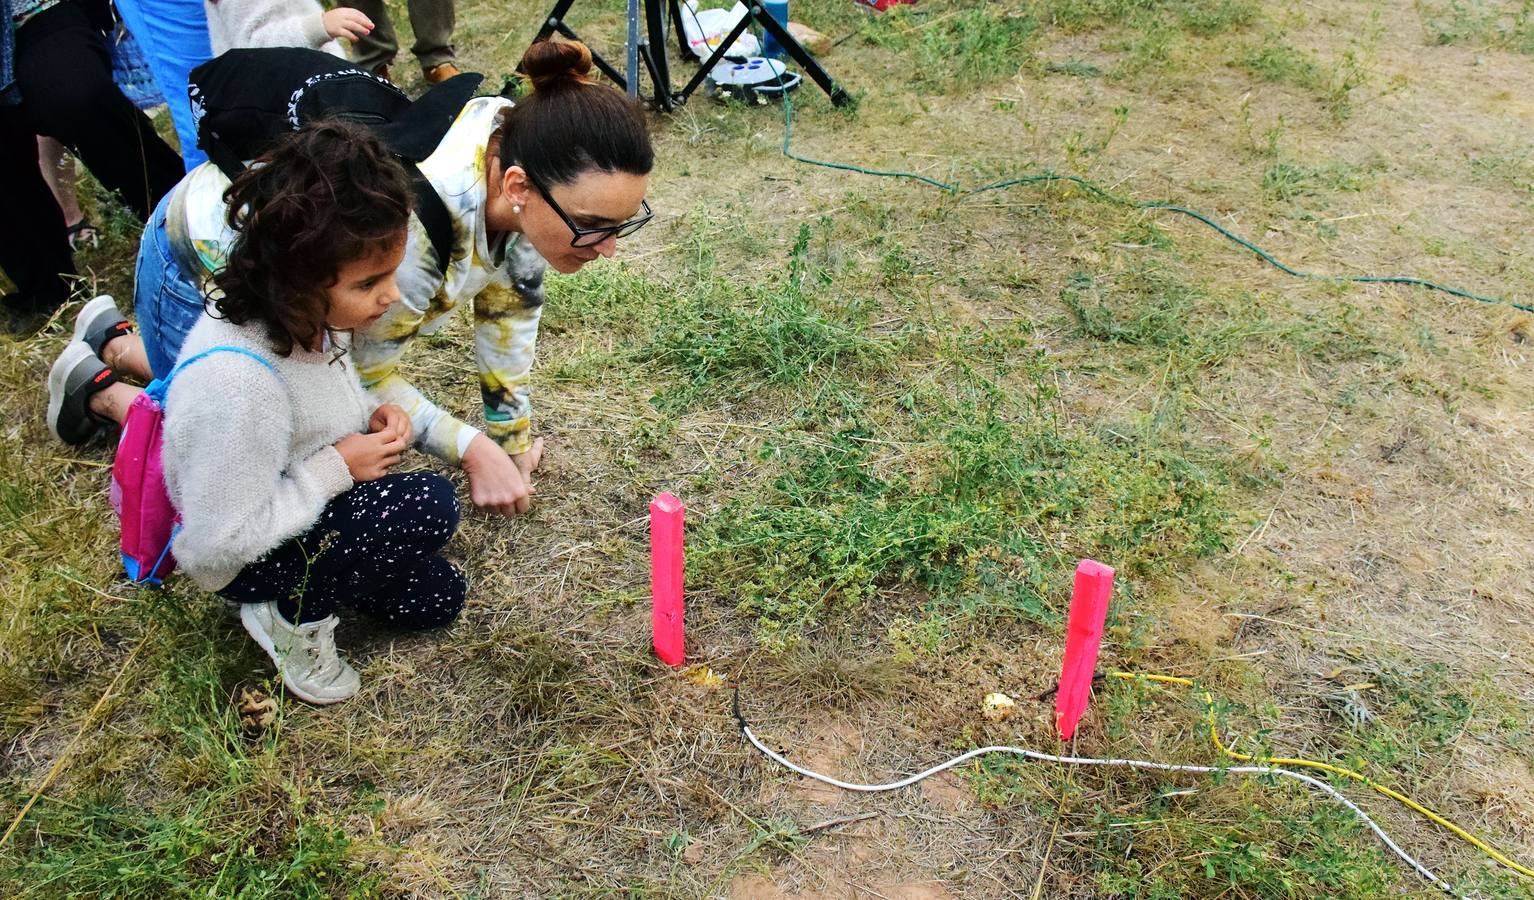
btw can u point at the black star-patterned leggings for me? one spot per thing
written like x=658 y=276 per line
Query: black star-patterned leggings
x=374 y=549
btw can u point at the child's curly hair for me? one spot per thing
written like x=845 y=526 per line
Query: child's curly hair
x=324 y=196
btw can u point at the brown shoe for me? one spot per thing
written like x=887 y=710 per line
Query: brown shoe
x=442 y=72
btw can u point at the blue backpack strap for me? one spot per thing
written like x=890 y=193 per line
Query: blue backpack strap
x=161 y=386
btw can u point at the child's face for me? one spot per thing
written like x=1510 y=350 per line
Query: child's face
x=364 y=288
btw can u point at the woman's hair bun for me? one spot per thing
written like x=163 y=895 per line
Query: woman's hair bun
x=550 y=64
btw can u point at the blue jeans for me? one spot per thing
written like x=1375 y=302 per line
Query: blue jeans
x=174 y=37
x=165 y=302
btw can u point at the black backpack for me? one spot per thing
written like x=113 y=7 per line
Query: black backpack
x=243 y=100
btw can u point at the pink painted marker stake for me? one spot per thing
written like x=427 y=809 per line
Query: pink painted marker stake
x=1083 y=638
x=666 y=513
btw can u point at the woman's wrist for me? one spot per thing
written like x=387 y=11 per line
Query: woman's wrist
x=479 y=445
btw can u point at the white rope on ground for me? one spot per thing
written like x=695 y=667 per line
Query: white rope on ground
x=1422 y=870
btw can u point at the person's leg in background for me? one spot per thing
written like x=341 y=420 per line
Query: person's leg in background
x=58 y=169
x=174 y=38
x=432 y=21
x=376 y=51
x=64 y=71
x=33 y=250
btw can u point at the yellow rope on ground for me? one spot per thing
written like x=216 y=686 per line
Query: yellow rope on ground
x=1409 y=803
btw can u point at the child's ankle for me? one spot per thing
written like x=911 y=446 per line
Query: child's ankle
x=111 y=402
x=112 y=351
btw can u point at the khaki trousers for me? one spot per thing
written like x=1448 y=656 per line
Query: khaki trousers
x=431 y=20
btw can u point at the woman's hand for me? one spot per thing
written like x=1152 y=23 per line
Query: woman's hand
x=348 y=23
x=498 y=482
x=391 y=418
x=371 y=456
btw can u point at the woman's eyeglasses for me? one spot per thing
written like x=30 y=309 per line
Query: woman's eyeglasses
x=590 y=237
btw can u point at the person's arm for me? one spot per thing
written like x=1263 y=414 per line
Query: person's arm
x=228 y=430
x=270 y=23
x=505 y=340
x=377 y=352
x=500 y=462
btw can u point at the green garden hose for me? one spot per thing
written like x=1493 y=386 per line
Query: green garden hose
x=1048 y=177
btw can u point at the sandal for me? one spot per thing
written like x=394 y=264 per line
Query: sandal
x=82 y=233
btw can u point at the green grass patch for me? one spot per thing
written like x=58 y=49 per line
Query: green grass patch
x=105 y=845
x=1297 y=852
x=1164 y=322
x=1513 y=171
x=723 y=338
x=718 y=338
x=1274 y=60
x=1286 y=180
x=956 y=47
x=1254 y=837
x=983 y=506
x=1198 y=16
x=206 y=812
x=1487 y=23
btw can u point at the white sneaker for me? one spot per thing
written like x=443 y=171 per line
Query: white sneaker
x=305 y=655
x=76 y=376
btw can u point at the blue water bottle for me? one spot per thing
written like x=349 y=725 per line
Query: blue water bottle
x=778 y=9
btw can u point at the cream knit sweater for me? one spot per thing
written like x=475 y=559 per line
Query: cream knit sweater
x=268 y=23
x=249 y=455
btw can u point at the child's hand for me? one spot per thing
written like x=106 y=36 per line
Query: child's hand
x=348 y=23
x=370 y=456
x=527 y=462
x=391 y=418
x=498 y=482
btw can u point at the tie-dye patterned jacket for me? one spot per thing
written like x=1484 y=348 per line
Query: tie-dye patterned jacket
x=504 y=283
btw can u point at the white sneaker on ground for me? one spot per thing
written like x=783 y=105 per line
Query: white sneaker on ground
x=305 y=655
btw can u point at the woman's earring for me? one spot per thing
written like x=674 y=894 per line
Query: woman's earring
x=516 y=209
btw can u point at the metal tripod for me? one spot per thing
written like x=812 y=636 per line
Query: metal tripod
x=650 y=49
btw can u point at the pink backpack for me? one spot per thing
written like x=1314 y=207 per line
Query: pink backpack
x=149 y=521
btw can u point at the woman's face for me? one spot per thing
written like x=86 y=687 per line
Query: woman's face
x=595 y=199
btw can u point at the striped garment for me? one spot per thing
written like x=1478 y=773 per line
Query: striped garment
x=503 y=281
x=22 y=10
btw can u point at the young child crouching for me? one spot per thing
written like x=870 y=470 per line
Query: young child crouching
x=278 y=461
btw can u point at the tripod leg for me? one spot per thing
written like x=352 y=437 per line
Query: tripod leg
x=676 y=23
x=793 y=48
x=713 y=59
x=655 y=53
x=596 y=58
x=662 y=99
x=631 y=83
x=553 y=20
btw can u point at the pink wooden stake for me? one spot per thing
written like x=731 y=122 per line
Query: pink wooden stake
x=1083 y=637
x=666 y=513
